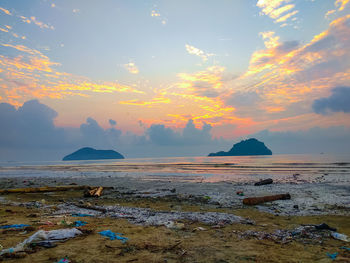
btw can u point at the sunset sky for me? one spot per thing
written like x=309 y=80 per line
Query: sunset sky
x=168 y=73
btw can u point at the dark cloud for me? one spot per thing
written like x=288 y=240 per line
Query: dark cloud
x=112 y=122
x=314 y=140
x=29 y=133
x=287 y=46
x=161 y=135
x=324 y=43
x=338 y=101
x=190 y=135
x=205 y=89
x=31 y=125
x=243 y=99
x=278 y=51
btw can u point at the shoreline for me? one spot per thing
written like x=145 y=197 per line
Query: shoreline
x=319 y=197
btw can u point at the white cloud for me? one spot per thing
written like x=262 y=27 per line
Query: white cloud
x=131 y=67
x=196 y=51
x=279 y=10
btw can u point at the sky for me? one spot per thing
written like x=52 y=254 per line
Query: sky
x=173 y=78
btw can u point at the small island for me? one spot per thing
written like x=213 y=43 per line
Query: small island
x=246 y=147
x=88 y=153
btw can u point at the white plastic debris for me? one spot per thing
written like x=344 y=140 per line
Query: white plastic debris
x=53 y=236
x=339 y=236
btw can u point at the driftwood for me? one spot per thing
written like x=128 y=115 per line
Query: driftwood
x=263 y=199
x=43 y=189
x=262 y=182
x=94 y=192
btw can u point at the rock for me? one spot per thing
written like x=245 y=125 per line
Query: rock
x=262 y=182
x=88 y=153
x=246 y=147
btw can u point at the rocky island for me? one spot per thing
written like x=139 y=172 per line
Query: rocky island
x=246 y=147
x=88 y=153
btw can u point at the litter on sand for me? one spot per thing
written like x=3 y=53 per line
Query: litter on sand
x=17 y=226
x=64 y=260
x=341 y=237
x=79 y=223
x=52 y=236
x=347 y=248
x=81 y=215
x=304 y=234
x=332 y=256
x=113 y=236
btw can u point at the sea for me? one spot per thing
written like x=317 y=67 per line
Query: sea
x=279 y=167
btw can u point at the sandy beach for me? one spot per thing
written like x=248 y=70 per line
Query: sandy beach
x=169 y=219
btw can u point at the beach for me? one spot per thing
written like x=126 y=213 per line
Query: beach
x=166 y=211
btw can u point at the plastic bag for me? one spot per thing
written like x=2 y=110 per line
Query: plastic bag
x=41 y=235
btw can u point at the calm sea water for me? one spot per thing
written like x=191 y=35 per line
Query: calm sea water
x=282 y=168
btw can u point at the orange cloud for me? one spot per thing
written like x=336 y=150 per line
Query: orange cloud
x=7 y=12
x=34 y=20
x=131 y=67
x=32 y=74
x=341 y=4
x=286 y=77
x=154 y=101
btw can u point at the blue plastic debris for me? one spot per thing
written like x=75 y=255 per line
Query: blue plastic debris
x=64 y=260
x=81 y=215
x=347 y=248
x=332 y=256
x=113 y=236
x=17 y=226
x=79 y=223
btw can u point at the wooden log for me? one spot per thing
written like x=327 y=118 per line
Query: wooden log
x=98 y=191
x=94 y=192
x=263 y=199
x=43 y=189
x=262 y=182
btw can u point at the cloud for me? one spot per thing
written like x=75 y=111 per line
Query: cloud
x=112 y=122
x=341 y=4
x=28 y=73
x=7 y=12
x=243 y=99
x=157 y=15
x=279 y=10
x=29 y=132
x=154 y=13
x=206 y=83
x=286 y=73
x=131 y=67
x=338 y=101
x=29 y=126
x=35 y=21
x=197 y=52
x=30 y=129
x=190 y=135
x=334 y=139
x=150 y=103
